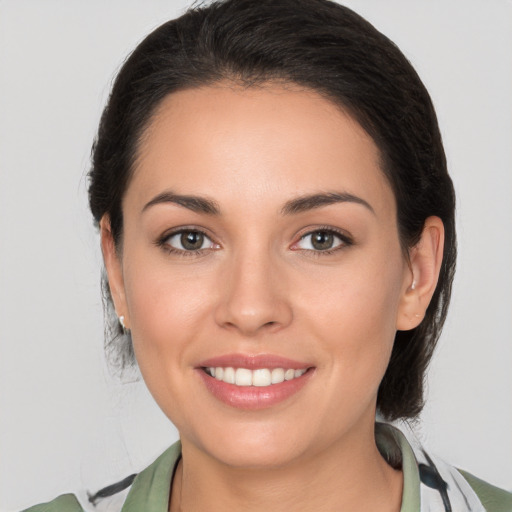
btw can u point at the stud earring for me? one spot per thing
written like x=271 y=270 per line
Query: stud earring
x=121 y=321
x=413 y=285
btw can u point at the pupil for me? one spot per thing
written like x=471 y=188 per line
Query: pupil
x=192 y=240
x=322 y=240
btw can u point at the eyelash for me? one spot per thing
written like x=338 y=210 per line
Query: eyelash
x=346 y=241
x=162 y=242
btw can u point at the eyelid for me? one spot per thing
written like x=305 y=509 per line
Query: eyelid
x=346 y=239
x=162 y=241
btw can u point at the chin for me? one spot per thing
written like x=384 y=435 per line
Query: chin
x=257 y=457
x=244 y=446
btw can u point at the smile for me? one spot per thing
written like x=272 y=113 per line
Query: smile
x=254 y=381
x=261 y=377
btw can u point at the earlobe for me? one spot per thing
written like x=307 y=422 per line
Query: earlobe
x=114 y=270
x=425 y=260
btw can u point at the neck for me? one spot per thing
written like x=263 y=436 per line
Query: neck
x=352 y=475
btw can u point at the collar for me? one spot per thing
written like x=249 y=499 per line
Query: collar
x=430 y=485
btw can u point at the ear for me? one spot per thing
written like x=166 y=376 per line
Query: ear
x=420 y=282
x=114 y=270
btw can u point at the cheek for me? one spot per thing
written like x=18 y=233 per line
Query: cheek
x=168 y=312
x=354 y=314
x=167 y=305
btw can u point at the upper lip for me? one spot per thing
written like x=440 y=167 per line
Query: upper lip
x=253 y=361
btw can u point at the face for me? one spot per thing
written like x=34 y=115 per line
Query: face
x=261 y=272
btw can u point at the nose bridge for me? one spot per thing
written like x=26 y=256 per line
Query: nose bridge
x=254 y=295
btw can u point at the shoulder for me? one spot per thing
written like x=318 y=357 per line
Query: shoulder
x=64 y=503
x=150 y=487
x=432 y=484
x=493 y=498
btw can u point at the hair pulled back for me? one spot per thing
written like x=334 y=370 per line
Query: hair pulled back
x=323 y=46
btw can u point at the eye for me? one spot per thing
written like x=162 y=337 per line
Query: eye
x=322 y=240
x=189 y=240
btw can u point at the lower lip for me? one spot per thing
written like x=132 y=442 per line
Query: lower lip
x=254 y=397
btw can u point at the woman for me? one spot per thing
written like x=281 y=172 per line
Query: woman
x=277 y=225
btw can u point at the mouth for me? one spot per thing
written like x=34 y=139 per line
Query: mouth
x=260 y=377
x=254 y=382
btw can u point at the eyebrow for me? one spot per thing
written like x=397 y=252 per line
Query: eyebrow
x=299 y=205
x=194 y=203
x=312 y=201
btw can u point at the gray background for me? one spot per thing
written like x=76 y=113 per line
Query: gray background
x=65 y=423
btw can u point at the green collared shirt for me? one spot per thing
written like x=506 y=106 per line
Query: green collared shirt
x=150 y=489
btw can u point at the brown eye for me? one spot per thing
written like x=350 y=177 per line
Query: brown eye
x=189 y=240
x=192 y=240
x=322 y=240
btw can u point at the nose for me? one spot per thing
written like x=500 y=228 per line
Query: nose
x=253 y=298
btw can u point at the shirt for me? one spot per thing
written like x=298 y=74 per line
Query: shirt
x=430 y=485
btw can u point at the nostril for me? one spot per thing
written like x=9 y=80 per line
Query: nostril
x=250 y=313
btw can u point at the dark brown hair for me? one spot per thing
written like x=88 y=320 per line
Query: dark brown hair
x=328 y=48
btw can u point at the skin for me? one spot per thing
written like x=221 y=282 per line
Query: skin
x=260 y=287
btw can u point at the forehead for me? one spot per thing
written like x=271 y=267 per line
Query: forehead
x=256 y=144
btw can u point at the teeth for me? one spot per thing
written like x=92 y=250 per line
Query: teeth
x=229 y=375
x=289 y=374
x=277 y=375
x=261 y=377
x=243 y=377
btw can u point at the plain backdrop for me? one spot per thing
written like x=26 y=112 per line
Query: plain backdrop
x=65 y=422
